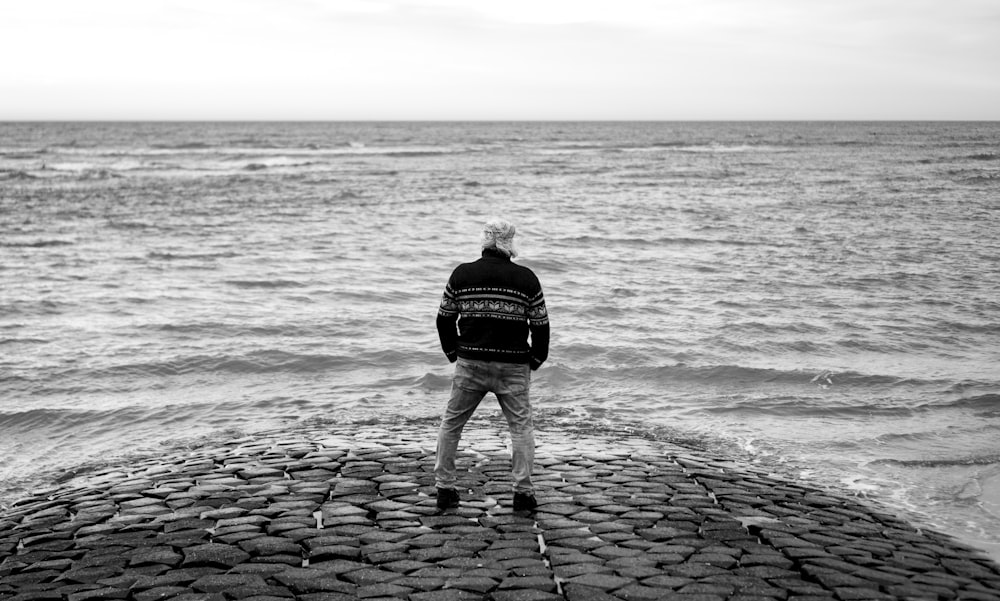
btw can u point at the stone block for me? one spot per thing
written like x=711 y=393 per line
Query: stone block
x=214 y=554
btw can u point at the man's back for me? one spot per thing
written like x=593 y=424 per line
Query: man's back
x=496 y=303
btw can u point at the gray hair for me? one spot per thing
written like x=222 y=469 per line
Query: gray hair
x=499 y=234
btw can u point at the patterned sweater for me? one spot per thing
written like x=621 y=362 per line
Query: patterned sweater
x=495 y=303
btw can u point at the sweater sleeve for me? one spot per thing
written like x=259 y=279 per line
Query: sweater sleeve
x=447 y=324
x=538 y=323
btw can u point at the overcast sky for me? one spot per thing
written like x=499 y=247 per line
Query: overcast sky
x=500 y=59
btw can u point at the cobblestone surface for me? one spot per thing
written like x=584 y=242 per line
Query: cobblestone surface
x=335 y=513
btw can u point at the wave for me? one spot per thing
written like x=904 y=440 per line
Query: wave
x=974 y=176
x=671 y=144
x=168 y=256
x=129 y=225
x=172 y=419
x=740 y=389
x=37 y=243
x=98 y=174
x=332 y=330
x=822 y=405
x=725 y=149
x=233 y=152
x=975 y=328
x=417 y=153
x=265 y=283
x=271 y=361
x=182 y=146
x=737 y=373
x=24 y=341
x=602 y=241
x=969 y=460
x=254 y=143
x=23 y=154
x=986 y=178
x=135 y=377
x=33 y=419
x=988 y=401
x=347 y=195
x=16 y=174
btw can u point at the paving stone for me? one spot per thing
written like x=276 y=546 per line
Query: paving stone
x=309 y=580
x=90 y=574
x=101 y=593
x=604 y=582
x=214 y=554
x=383 y=591
x=638 y=571
x=161 y=555
x=525 y=595
x=270 y=545
x=367 y=576
x=861 y=594
x=406 y=566
x=638 y=592
x=478 y=584
x=577 y=592
x=335 y=552
x=432 y=554
x=218 y=583
x=160 y=592
x=420 y=584
x=614 y=552
x=450 y=595
x=177 y=577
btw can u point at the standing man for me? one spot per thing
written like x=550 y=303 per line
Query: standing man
x=496 y=303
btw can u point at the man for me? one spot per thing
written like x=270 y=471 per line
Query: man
x=496 y=303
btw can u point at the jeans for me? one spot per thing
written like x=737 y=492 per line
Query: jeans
x=510 y=383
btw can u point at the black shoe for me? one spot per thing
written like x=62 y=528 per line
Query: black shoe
x=524 y=501
x=447 y=498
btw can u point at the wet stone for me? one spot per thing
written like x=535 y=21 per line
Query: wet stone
x=178 y=577
x=335 y=552
x=540 y=582
x=472 y=583
x=525 y=595
x=281 y=558
x=605 y=582
x=577 y=592
x=308 y=580
x=214 y=554
x=433 y=554
x=101 y=593
x=446 y=595
x=160 y=592
x=91 y=574
x=368 y=576
x=218 y=583
x=270 y=545
x=236 y=538
x=161 y=555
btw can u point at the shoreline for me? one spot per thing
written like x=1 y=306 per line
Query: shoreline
x=347 y=511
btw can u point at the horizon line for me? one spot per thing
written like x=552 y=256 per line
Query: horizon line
x=530 y=120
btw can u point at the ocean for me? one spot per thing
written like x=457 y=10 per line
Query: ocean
x=820 y=300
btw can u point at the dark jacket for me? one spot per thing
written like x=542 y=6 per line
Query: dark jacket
x=495 y=303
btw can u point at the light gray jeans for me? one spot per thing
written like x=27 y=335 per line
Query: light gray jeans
x=510 y=383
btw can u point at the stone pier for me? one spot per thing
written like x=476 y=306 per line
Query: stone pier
x=343 y=512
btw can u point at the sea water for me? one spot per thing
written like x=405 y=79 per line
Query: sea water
x=818 y=299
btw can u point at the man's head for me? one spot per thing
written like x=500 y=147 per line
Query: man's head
x=498 y=234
